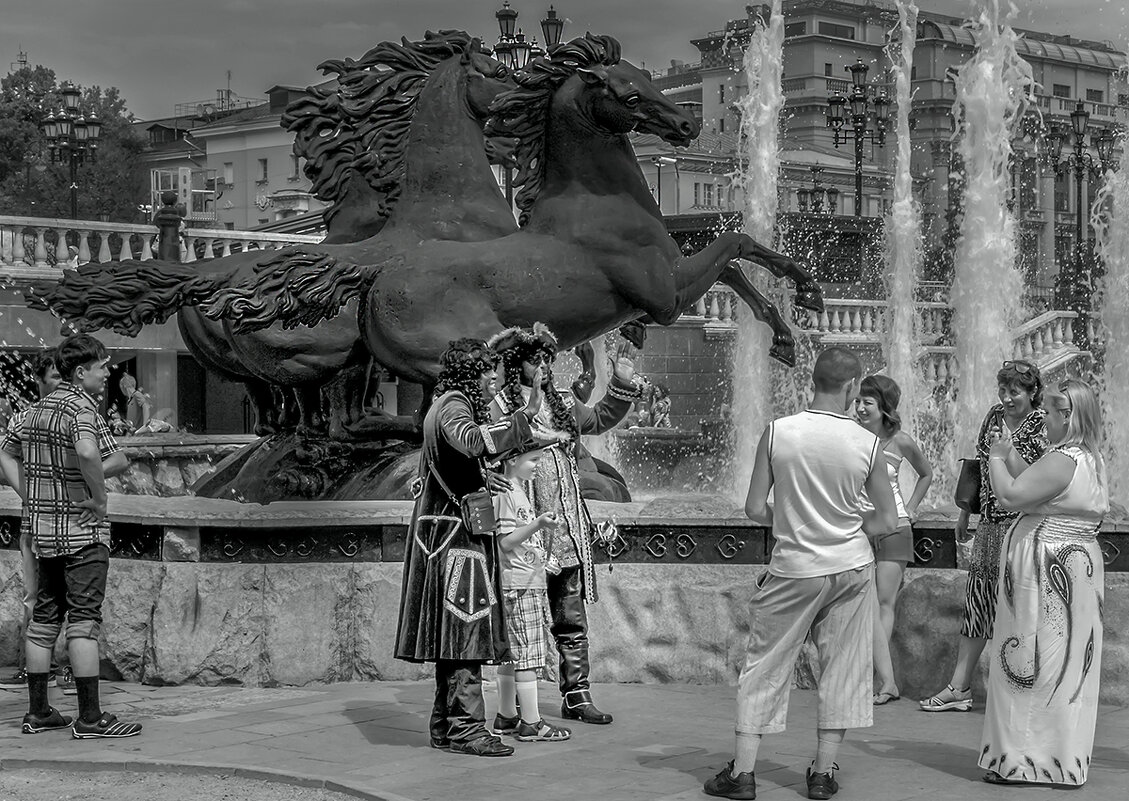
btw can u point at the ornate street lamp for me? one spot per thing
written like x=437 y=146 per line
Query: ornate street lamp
x=71 y=137
x=552 y=27
x=859 y=104
x=1074 y=286
x=818 y=196
x=507 y=20
x=522 y=51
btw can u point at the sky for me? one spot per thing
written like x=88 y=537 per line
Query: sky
x=161 y=54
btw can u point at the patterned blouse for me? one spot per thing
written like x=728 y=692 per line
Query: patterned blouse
x=1029 y=439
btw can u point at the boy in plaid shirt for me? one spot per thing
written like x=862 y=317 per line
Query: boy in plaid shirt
x=57 y=459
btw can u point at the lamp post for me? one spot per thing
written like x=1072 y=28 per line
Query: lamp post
x=859 y=102
x=659 y=161
x=1074 y=285
x=72 y=137
x=817 y=194
x=513 y=50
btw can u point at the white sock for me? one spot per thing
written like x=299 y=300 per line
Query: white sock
x=527 y=696
x=827 y=748
x=745 y=753
x=507 y=696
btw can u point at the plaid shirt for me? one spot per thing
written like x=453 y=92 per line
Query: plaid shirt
x=44 y=437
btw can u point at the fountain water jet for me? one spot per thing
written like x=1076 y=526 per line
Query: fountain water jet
x=759 y=158
x=1111 y=225
x=992 y=92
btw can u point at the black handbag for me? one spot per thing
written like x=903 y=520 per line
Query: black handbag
x=476 y=508
x=967 y=494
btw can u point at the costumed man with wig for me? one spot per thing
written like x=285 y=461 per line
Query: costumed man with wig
x=451 y=599
x=527 y=357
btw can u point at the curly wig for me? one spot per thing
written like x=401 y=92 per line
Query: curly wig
x=534 y=345
x=461 y=367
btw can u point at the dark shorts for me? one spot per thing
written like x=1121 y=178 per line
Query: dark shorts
x=896 y=547
x=74 y=584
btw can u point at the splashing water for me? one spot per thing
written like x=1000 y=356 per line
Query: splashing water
x=903 y=242
x=992 y=92
x=1110 y=218
x=759 y=158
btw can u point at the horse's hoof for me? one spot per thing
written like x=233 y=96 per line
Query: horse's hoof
x=783 y=352
x=264 y=430
x=809 y=296
x=634 y=332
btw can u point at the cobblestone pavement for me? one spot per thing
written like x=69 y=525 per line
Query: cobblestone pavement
x=369 y=740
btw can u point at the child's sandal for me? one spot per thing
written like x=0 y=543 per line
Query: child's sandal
x=541 y=732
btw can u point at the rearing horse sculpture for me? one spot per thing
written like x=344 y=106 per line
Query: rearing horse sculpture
x=592 y=254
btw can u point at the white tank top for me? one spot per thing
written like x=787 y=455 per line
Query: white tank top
x=820 y=461
x=893 y=468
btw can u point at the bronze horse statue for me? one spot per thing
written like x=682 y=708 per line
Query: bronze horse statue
x=592 y=252
x=399 y=125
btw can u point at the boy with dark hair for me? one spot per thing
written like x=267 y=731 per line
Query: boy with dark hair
x=58 y=460
x=820 y=579
x=47 y=380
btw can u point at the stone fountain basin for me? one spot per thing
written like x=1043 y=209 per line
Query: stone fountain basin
x=211 y=591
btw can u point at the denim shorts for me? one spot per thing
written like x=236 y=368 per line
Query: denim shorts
x=73 y=584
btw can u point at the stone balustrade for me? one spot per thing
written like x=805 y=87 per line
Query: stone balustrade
x=30 y=246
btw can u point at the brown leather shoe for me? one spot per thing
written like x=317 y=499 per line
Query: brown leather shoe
x=485 y=746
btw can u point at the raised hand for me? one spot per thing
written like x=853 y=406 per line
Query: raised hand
x=624 y=368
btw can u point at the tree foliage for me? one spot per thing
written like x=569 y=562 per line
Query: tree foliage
x=109 y=186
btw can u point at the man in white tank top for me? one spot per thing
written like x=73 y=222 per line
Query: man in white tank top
x=820 y=579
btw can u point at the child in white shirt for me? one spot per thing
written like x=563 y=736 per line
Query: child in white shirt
x=526 y=606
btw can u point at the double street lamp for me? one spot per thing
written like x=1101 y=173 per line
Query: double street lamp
x=1075 y=282
x=859 y=103
x=515 y=51
x=816 y=196
x=72 y=137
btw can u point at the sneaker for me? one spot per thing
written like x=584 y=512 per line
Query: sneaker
x=106 y=726
x=541 y=732
x=949 y=699
x=726 y=785
x=34 y=724
x=65 y=682
x=18 y=680
x=485 y=746
x=822 y=785
x=505 y=725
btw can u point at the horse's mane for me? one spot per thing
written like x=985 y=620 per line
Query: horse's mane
x=360 y=127
x=523 y=112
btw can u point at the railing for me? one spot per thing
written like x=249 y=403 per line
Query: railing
x=30 y=246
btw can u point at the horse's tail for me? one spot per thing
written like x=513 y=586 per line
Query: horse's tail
x=296 y=287
x=123 y=295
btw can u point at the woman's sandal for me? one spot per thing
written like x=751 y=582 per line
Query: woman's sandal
x=883 y=698
x=948 y=700
x=541 y=732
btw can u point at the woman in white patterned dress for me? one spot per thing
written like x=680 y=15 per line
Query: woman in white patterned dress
x=1047 y=644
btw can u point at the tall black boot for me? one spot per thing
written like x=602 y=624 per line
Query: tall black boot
x=438 y=726
x=570 y=630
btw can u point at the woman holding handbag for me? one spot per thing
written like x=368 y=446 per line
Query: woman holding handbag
x=1019 y=419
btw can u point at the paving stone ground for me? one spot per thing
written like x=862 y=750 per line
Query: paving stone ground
x=369 y=740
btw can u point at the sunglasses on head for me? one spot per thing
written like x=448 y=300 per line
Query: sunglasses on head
x=1019 y=365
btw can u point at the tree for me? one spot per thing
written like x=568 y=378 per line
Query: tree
x=109 y=186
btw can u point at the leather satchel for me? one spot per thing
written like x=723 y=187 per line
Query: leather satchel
x=967 y=494
x=476 y=508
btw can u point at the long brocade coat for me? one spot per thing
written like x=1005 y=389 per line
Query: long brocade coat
x=451 y=600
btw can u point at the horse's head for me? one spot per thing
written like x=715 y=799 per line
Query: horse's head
x=486 y=78
x=621 y=98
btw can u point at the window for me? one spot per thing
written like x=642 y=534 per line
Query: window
x=721 y=94
x=697 y=194
x=828 y=69
x=1060 y=90
x=294 y=167
x=1095 y=95
x=795 y=29
x=721 y=126
x=229 y=173
x=262 y=169
x=263 y=220
x=229 y=226
x=708 y=199
x=838 y=31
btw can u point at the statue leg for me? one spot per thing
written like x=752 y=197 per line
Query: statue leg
x=783 y=347
x=809 y=295
x=309 y=408
x=266 y=410
x=290 y=414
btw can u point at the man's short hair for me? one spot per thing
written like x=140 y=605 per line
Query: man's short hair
x=77 y=350
x=42 y=362
x=834 y=367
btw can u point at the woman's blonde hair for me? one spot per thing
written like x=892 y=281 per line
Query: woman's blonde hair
x=1084 y=425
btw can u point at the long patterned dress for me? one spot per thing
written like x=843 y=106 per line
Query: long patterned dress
x=1045 y=657
x=1030 y=441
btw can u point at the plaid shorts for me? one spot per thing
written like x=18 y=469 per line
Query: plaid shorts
x=527 y=626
